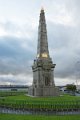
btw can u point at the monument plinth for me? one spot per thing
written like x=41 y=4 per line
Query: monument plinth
x=43 y=67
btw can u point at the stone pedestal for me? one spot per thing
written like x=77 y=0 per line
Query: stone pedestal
x=43 y=92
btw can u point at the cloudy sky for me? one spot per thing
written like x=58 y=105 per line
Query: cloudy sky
x=18 y=39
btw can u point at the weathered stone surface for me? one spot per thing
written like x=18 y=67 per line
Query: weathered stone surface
x=43 y=67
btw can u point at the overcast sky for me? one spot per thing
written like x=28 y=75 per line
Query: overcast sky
x=19 y=21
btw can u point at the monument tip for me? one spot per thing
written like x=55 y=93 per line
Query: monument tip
x=42 y=8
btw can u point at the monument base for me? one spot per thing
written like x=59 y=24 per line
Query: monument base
x=45 y=91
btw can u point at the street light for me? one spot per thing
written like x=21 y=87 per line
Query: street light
x=77 y=71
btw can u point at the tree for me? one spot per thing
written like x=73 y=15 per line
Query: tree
x=71 y=88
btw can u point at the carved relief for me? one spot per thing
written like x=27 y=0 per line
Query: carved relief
x=47 y=81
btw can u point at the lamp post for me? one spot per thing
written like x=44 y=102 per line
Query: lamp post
x=77 y=71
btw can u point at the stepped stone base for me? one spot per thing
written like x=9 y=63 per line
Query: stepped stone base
x=45 y=91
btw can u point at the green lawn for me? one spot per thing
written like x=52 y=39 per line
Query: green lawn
x=58 y=98
x=24 y=101
x=11 y=93
x=37 y=117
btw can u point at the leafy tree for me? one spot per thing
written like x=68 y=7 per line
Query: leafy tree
x=71 y=88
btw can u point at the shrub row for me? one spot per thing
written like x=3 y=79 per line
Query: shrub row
x=23 y=104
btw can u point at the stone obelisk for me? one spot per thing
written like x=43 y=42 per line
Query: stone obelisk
x=43 y=67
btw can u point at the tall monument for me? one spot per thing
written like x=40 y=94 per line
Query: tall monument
x=43 y=67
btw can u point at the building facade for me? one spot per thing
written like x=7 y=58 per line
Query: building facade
x=43 y=67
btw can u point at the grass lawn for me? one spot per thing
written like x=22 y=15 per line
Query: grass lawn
x=37 y=117
x=11 y=93
x=58 y=98
x=24 y=101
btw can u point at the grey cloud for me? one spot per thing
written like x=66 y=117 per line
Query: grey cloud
x=64 y=46
x=73 y=8
x=9 y=26
x=13 y=57
x=16 y=79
